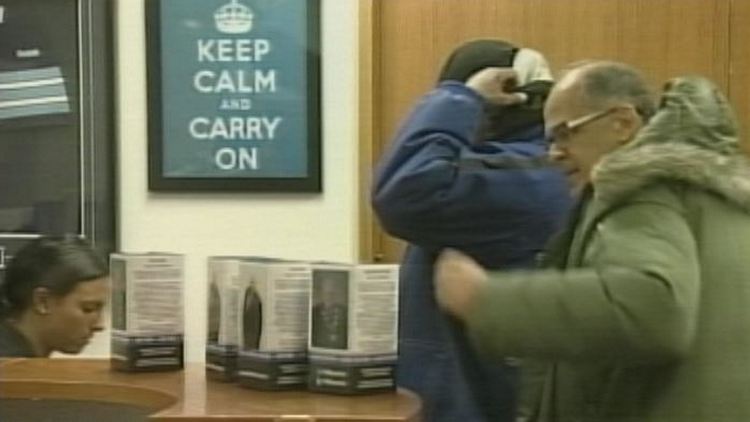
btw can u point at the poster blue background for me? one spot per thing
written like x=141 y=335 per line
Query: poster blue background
x=284 y=24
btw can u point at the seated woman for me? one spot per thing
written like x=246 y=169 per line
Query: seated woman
x=52 y=298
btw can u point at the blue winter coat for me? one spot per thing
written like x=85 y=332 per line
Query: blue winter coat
x=496 y=201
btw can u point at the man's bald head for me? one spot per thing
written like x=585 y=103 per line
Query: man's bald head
x=595 y=108
x=603 y=84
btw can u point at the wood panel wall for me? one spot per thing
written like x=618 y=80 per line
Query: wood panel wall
x=739 y=65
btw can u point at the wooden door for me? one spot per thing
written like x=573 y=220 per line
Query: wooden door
x=404 y=42
x=739 y=65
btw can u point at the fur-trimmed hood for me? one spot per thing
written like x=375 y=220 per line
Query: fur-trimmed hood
x=693 y=138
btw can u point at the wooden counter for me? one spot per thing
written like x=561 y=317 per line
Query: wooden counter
x=188 y=396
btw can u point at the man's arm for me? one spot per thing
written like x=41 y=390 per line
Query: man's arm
x=424 y=195
x=636 y=300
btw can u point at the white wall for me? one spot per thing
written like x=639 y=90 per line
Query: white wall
x=310 y=226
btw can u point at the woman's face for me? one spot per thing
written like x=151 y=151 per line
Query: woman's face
x=74 y=318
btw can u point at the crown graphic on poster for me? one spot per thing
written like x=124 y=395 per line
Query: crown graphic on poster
x=234 y=18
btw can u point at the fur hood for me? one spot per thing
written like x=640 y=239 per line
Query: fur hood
x=693 y=139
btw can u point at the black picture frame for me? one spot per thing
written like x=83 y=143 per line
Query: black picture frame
x=307 y=151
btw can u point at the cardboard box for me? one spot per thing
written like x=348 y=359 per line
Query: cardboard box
x=353 y=330
x=274 y=297
x=147 y=311
x=225 y=290
x=223 y=337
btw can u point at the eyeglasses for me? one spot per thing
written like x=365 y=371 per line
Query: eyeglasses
x=563 y=131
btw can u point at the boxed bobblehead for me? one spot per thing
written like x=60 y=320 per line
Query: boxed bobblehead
x=147 y=311
x=223 y=308
x=353 y=330
x=225 y=302
x=273 y=316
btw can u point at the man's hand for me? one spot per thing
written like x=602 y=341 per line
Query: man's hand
x=493 y=83
x=458 y=279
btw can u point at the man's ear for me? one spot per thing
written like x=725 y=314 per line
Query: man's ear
x=627 y=123
x=41 y=299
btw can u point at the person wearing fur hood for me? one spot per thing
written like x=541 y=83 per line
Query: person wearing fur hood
x=643 y=313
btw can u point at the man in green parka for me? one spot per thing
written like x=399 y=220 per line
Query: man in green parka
x=644 y=312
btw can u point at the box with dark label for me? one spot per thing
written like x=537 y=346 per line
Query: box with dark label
x=147 y=311
x=223 y=306
x=353 y=329
x=273 y=317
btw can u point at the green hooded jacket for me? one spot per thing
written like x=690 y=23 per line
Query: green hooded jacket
x=647 y=316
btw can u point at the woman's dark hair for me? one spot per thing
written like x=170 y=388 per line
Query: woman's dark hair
x=57 y=264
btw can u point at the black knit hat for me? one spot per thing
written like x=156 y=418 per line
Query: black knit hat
x=476 y=55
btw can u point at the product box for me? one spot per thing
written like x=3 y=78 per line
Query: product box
x=225 y=302
x=147 y=311
x=353 y=330
x=274 y=297
x=223 y=338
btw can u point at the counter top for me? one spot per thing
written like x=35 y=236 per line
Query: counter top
x=188 y=396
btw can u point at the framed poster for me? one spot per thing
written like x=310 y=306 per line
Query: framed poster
x=234 y=95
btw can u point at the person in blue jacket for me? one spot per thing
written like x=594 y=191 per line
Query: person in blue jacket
x=467 y=170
